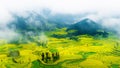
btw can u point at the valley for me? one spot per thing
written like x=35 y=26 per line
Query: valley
x=81 y=51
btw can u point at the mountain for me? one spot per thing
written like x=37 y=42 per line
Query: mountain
x=42 y=21
x=87 y=26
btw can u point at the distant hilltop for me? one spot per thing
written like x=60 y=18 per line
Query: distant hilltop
x=87 y=26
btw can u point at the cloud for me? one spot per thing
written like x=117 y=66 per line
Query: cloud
x=65 y=6
x=5 y=16
x=112 y=23
x=102 y=7
x=7 y=34
x=105 y=12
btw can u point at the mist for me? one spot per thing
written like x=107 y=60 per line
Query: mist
x=104 y=12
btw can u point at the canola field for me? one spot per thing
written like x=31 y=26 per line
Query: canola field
x=85 y=52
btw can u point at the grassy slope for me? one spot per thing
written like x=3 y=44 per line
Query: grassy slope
x=84 y=53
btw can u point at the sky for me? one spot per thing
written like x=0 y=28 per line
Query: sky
x=101 y=8
x=105 y=11
x=65 y=6
x=95 y=8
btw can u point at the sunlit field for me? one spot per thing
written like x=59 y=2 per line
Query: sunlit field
x=82 y=51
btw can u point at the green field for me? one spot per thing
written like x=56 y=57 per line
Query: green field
x=81 y=51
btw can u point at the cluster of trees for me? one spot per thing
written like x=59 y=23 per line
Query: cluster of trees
x=50 y=57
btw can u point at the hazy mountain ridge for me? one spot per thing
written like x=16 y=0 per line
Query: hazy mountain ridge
x=34 y=23
x=88 y=26
x=41 y=21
